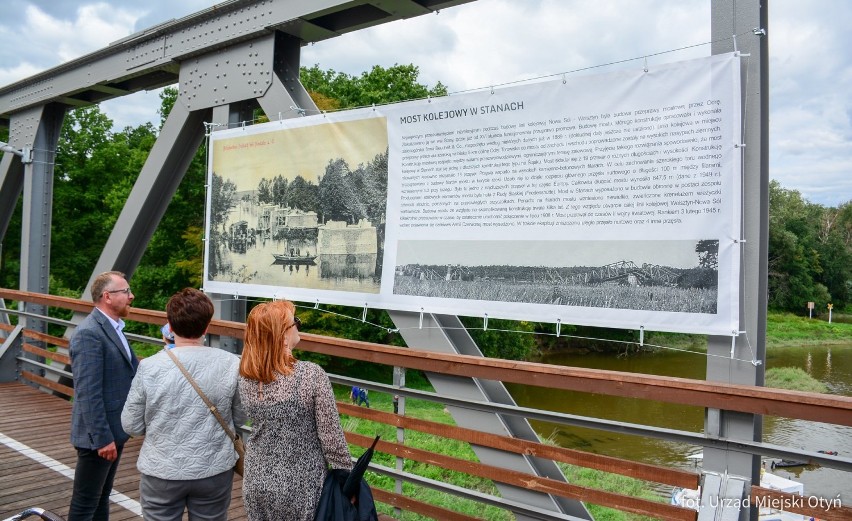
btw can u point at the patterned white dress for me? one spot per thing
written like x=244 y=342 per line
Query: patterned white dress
x=296 y=436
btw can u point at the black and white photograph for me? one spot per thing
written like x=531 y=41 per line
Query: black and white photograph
x=673 y=276
x=300 y=207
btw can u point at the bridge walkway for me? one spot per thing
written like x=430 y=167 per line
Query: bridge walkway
x=37 y=467
x=37 y=460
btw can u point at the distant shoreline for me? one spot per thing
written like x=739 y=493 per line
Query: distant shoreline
x=783 y=330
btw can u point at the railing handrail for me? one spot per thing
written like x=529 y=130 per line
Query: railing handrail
x=733 y=397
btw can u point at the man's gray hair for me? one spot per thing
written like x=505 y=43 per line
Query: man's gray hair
x=102 y=282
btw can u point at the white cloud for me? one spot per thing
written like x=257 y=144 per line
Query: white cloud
x=95 y=26
x=492 y=42
x=18 y=71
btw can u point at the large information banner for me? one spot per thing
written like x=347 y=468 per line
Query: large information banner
x=609 y=200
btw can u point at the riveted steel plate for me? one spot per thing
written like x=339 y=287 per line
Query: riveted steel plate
x=233 y=74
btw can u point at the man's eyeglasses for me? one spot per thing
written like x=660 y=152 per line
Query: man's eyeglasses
x=296 y=322
x=126 y=291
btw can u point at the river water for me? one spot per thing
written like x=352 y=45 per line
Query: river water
x=831 y=365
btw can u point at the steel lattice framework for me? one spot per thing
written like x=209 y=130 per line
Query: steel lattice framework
x=621 y=270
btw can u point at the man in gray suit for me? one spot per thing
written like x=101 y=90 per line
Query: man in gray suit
x=103 y=365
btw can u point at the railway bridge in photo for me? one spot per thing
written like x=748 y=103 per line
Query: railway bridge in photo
x=243 y=55
x=628 y=272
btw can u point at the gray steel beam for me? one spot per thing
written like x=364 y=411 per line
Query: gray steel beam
x=22 y=133
x=291 y=93
x=150 y=59
x=162 y=173
x=446 y=334
x=741 y=18
x=10 y=349
x=227 y=307
x=11 y=186
x=45 y=122
x=4 y=317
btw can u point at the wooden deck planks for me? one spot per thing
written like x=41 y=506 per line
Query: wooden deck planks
x=43 y=423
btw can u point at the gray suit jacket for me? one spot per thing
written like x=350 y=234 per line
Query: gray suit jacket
x=102 y=376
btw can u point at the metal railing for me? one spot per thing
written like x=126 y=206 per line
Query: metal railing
x=40 y=359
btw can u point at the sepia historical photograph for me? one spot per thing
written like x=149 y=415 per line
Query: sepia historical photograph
x=300 y=207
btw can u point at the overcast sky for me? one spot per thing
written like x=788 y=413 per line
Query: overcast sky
x=495 y=42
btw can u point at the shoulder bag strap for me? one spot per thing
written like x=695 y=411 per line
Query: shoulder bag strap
x=203 y=396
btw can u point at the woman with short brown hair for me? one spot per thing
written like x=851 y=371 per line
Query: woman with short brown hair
x=187 y=460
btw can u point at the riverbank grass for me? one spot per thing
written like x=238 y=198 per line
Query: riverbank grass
x=782 y=330
x=788 y=330
x=793 y=379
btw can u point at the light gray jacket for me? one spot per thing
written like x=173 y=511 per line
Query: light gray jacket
x=183 y=440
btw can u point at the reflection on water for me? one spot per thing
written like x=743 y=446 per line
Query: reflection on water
x=832 y=366
x=355 y=265
x=332 y=272
x=299 y=262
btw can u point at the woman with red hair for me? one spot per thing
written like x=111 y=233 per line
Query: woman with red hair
x=296 y=433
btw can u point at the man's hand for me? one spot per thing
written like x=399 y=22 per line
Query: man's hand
x=108 y=452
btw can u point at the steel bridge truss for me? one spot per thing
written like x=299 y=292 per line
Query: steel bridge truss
x=628 y=271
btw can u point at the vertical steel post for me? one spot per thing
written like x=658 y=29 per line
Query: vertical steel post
x=741 y=25
x=399 y=408
x=38 y=207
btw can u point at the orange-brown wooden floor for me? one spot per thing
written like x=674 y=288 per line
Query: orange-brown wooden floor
x=40 y=477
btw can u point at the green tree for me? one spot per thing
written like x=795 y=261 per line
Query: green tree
x=500 y=340
x=834 y=245
x=94 y=172
x=794 y=259
x=377 y=86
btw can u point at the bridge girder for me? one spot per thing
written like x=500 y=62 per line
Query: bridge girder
x=154 y=57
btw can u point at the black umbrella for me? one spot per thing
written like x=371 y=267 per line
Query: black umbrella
x=341 y=487
x=353 y=482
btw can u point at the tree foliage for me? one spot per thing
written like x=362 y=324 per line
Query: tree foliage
x=376 y=86
x=810 y=252
x=708 y=254
x=94 y=172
